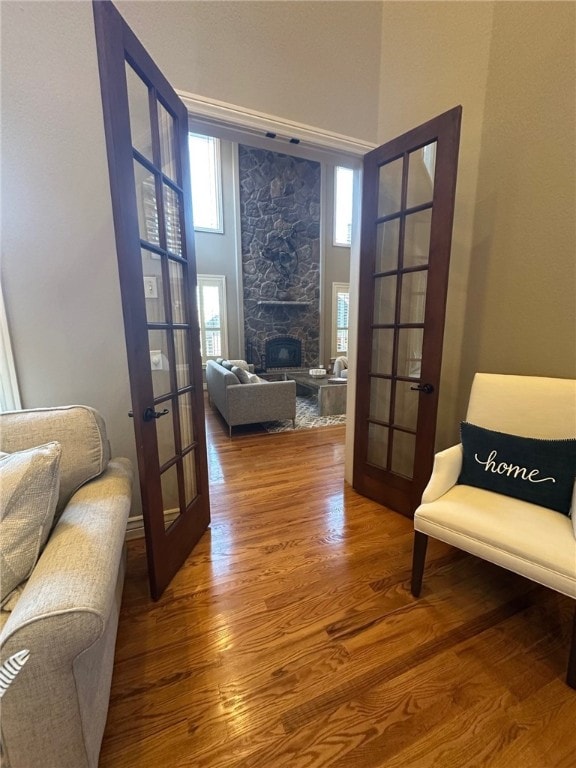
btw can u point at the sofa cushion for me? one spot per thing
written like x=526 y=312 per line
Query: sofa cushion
x=241 y=374
x=29 y=485
x=226 y=364
x=79 y=429
x=531 y=469
x=240 y=364
x=525 y=538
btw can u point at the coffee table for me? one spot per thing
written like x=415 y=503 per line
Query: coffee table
x=331 y=394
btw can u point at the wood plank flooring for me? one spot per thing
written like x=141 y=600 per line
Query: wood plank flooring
x=290 y=637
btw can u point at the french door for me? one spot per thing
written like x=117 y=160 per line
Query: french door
x=146 y=128
x=407 y=213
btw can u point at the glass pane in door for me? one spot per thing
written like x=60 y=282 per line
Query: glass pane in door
x=387 y=242
x=165 y=433
x=177 y=287
x=413 y=297
x=377 y=445
x=181 y=352
x=146 y=204
x=190 y=485
x=172 y=220
x=153 y=286
x=410 y=352
x=406 y=404
x=139 y=111
x=384 y=300
x=186 y=423
x=159 y=362
x=417 y=238
x=170 y=495
x=421 y=168
x=380 y=399
x=390 y=188
x=403 y=453
x=382 y=350
x=167 y=142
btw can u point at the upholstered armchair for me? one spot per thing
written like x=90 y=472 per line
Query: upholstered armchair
x=505 y=493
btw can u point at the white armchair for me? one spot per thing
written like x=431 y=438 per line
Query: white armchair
x=531 y=540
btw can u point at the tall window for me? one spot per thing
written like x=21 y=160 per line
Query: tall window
x=212 y=316
x=340 y=302
x=206 y=182
x=343 y=194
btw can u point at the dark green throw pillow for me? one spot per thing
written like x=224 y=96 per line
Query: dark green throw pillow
x=535 y=470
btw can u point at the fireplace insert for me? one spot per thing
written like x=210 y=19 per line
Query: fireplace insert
x=283 y=352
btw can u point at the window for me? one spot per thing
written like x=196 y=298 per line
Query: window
x=343 y=191
x=340 y=302
x=206 y=182
x=212 y=316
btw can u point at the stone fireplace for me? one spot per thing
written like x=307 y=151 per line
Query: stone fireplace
x=280 y=228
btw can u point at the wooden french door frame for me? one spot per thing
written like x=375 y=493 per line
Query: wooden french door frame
x=167 y=547
x=379 y=481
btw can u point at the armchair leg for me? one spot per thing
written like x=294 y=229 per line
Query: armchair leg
x=571 y=675
x=418 y=560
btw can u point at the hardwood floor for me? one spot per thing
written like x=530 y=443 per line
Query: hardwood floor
x=290 y=637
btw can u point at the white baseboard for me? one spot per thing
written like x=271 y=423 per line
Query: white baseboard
x=135 y=525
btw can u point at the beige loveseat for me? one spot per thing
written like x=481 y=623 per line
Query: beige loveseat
x=251 y=402
x=66 y=613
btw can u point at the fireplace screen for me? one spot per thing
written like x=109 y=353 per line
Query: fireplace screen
x=283 y=352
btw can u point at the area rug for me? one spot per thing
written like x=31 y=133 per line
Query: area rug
x=306 y=417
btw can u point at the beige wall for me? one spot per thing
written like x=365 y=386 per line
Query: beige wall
x=521 y=310
x=435 y=56
x=511 y=304
x=59 y=273
x=312 y=62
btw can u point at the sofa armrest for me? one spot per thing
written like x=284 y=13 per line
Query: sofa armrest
x=447 y=467
x=66 y=601
x=66 y=617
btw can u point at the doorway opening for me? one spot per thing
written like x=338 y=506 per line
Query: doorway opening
x=228 y=251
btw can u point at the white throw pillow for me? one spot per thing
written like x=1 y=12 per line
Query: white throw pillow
x=29 y=486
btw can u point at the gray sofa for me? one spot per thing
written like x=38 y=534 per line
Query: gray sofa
x=252 y=402
x=66 y=613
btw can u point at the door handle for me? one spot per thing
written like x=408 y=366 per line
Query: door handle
x=426 y=388
x=150 y=414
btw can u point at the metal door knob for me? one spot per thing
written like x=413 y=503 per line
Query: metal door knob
x=426 y=388
x=150 y=414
